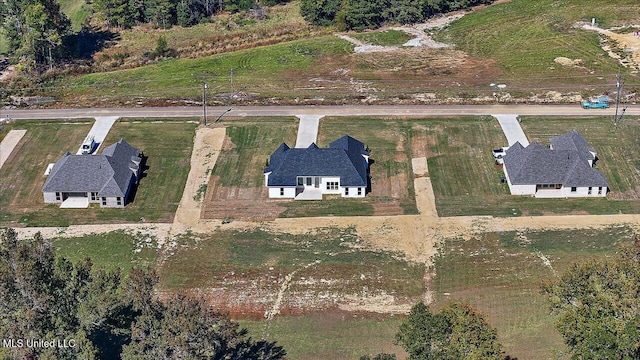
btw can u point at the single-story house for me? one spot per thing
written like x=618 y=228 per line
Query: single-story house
x=565 y=169
x=308 y=173
x=104 y=179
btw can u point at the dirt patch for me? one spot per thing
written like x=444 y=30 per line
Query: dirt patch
x=623 y=47
x=236 y=203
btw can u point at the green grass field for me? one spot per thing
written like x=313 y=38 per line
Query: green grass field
x=525 y=36
x=383 y=38
x=501 y=273
x=269 y=69
x=167 y=145
x=76 y=11
x=253 y=140
x=330 y=335
x=230 y=255
x=110 y=250
x=4 y=44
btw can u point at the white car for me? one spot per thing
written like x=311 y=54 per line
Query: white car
x=499 y=153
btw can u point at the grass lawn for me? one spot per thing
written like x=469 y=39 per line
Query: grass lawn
x=219 y=258
x=525 y=36
x=252 y=142
x=465 y=182
x=4 y=43
x=500 y=274
x=110 y=250
x=383 y=38
x=76 y=11
x=264 y=70
x=330 y=335
x=167 y=145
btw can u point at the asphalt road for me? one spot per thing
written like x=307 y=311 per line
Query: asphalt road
x=340 y=110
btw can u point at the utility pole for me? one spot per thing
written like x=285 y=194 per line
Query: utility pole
x=231 y=78
x=619 y=90
x=204 y=102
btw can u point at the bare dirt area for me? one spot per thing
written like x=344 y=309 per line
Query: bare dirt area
x=623 y=46
x=237 y=203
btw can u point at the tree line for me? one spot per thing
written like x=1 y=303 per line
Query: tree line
x=167 y=13
x=371 y=14
x=89 y=313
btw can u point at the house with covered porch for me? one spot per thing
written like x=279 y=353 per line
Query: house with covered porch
x=75 y=181
x=309 y=173
x=562 y=170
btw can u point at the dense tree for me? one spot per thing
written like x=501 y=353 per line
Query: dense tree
x=320 y=12
x=35 y=30
x=598 y=306
x=371 y=14
x=105 y=315
x=456 y=332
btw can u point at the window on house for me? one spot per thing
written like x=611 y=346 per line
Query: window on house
x=119 y=200
x=574 y=189
x=589 y=191
x=332 y=185
x=57 y=196
x=359 y=191
x=300 y=181
x=309 y=181
x=281 y=191
x=600 y=190
x=94 y=196
x=104 y=201
x=346 y=191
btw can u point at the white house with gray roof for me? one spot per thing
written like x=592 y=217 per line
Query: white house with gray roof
x=309 y=173
x=565 y=169
x=104 y=179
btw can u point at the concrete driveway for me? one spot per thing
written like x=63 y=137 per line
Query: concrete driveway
x=99 y=130
x=512 y=129
x=307 y=130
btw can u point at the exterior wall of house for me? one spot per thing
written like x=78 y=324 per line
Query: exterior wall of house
x=583 y=192
x=519 y=189
x=112 y=202
x=266 y=178
x=330 y=179
x=275 y=192
x=352 y=192
x=50 y=197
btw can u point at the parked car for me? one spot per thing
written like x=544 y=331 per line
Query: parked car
x=596 y=103
x=498 y=154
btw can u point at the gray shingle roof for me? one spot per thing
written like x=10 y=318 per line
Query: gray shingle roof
x=566 y=164
x=108 y=174
x=342 y=158
x=573 y=141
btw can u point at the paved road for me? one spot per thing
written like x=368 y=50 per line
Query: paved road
x=512 y=129
x=339 y=110
x=307 y=130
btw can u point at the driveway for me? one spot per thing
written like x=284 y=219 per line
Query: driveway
x=307 y=130
x=9 y=143
x=99 y=130
x=512 y=130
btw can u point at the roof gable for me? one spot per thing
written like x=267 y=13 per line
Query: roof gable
x=537 y=164
x=108 y=174
x=343 y=158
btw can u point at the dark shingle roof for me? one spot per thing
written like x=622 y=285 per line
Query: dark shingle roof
x=537 y=164
x=342 y=158
x=108 y=174
x=573 y=141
